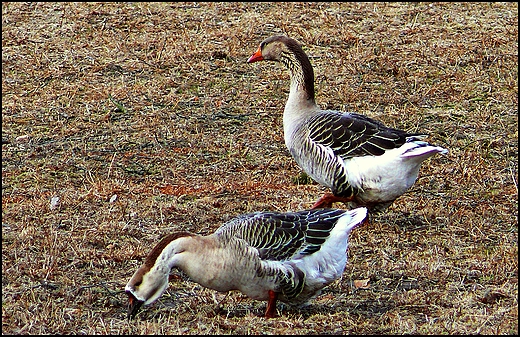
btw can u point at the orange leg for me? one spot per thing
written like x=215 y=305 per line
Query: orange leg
x=328 y=199
x=270 y=312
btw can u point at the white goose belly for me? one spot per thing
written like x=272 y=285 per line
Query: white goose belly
x=382 y=178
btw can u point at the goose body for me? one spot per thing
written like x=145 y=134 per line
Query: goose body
x=265 y=255
x=362 y=161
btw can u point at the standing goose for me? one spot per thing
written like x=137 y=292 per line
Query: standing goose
x=265 y=255
x=362 y=161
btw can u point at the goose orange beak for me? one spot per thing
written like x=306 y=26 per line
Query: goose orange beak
x=257 y=56
x=133 y=306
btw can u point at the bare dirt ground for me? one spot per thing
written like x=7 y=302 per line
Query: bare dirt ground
x=122 y=122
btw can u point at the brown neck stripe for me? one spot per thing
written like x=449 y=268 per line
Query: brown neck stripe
x=165 y=241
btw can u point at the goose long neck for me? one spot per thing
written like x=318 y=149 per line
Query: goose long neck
x=302 y=76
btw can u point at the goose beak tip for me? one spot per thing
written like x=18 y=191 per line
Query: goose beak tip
x=133 y=307
x=257 y=56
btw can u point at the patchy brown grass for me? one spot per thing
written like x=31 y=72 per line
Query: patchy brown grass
x=145 y=118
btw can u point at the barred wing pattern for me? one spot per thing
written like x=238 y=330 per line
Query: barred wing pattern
x=281 y=237
x=351 y=135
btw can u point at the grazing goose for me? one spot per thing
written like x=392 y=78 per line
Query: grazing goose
x=362 y=161
x=265 y=255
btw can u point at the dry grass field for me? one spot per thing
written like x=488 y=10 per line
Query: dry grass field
x=123 y=122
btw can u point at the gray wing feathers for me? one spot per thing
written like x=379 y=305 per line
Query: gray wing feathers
x=351 y=135
x=279 y=236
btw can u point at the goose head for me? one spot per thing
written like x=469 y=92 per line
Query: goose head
x=290 y=53
x=270 y=49
x=151 y=280
x=275 y=48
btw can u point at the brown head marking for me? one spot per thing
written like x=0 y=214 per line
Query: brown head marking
x=165 y=241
